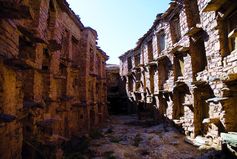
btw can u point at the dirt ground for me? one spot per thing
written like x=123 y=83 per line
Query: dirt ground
x=127 y=138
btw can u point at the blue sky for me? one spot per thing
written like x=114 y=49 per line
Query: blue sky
x=119 y=23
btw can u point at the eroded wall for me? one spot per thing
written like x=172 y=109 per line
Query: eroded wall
x=186 y=71
x=48 y=89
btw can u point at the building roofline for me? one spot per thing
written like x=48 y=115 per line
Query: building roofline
x=159 y=17
x=103 y=53
x=155 y=23
x=94 y=32
x=65 y=7
x=172 y=7
x=125 y=54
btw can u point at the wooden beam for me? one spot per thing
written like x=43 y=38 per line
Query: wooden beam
x=216 y=99
x=7 y=118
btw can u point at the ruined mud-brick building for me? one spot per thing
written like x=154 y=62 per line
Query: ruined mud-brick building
x=118 y=102
x=185 y=67
x=52 y=78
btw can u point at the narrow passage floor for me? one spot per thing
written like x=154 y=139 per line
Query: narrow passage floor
x=125 y=137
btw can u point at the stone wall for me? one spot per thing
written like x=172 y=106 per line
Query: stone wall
x=49 y=92
x=192 y=69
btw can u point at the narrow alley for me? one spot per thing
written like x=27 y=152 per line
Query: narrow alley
x=125 y=137
x=174 y=91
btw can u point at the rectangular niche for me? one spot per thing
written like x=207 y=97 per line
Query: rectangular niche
x=175 y=28
x=179 y=66
x=27 y=49
x=150 y=51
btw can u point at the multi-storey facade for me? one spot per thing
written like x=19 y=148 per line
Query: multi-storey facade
x=185 y=67
x=52 y=78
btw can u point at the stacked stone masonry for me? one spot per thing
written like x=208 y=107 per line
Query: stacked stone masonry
x=52 y=78
x=184 y=68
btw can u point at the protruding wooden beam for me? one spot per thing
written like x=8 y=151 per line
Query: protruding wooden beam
x=32 y=104
x=233 y=33
x=7 y=118
x=216 y=99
